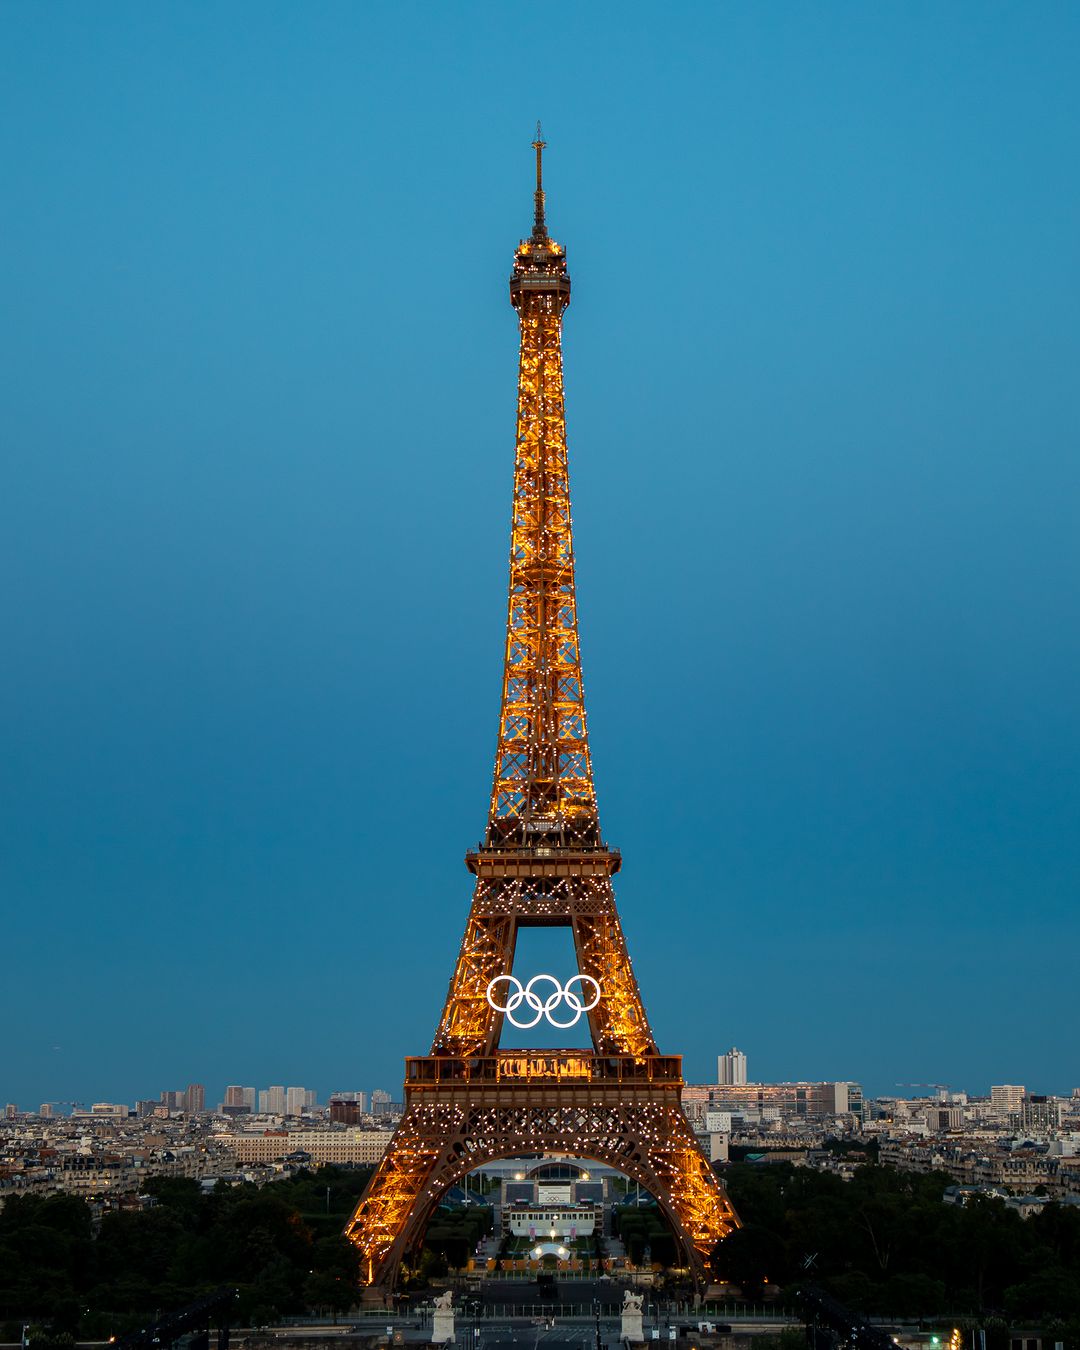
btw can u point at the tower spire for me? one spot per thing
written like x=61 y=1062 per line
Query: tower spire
x=539 y=225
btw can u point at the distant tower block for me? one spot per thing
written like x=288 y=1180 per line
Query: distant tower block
x=731 y=1068
x=1007 y=1097
x=543 y=863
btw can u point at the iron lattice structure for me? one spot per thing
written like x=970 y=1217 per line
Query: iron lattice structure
x=543 y=862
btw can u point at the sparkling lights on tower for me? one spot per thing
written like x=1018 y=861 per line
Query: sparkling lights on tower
x=543 y=862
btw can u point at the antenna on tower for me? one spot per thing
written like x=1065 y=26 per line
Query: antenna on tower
x=539 y=225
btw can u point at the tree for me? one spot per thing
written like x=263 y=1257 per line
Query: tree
x=328 y=1293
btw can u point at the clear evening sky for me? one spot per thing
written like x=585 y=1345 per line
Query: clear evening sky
x=257 y=369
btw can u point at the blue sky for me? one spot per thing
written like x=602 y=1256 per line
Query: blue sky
x=257 y=371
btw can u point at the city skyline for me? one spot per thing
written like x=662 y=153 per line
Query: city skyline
x=823 y=473
x=1000 y=1093
x=948 y=1172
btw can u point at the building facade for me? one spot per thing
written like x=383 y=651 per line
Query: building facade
x=321 y=1146
x=731 y=1068
x=771 y=1101
x=1006 y=1097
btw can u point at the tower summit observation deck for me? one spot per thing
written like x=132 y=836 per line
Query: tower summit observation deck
x=540 y=263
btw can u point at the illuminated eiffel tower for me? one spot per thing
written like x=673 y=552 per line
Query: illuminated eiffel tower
x=543 y=863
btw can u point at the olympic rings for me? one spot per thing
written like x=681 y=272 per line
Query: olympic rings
x=543 y=1007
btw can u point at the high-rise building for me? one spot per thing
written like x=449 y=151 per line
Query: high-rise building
x=264 y=1101
x=360 y=1099
x=239 y=1101
x=45 y=1110
x=1041 y=1114
x=380 y=1102
x=731 y=1068
x=275 y=1101
x=1007 y=1097
x=172 y=1101
x=344 y=1111
x=944 y=1117
x=195 y=1098
x=310 y=1099
x=295 y=1100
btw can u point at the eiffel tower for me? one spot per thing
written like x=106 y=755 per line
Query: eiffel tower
x=543 y=863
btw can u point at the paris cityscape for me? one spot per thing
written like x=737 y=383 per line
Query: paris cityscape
x=761 y=341
x=1008 y=1143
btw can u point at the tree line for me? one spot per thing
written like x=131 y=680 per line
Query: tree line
x=281 y=1246
x=882 y=1243
x=885 y=1243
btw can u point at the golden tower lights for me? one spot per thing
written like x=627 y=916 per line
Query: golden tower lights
x=542 y=863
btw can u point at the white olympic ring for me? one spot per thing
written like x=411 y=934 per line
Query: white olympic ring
x=543 y=1007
